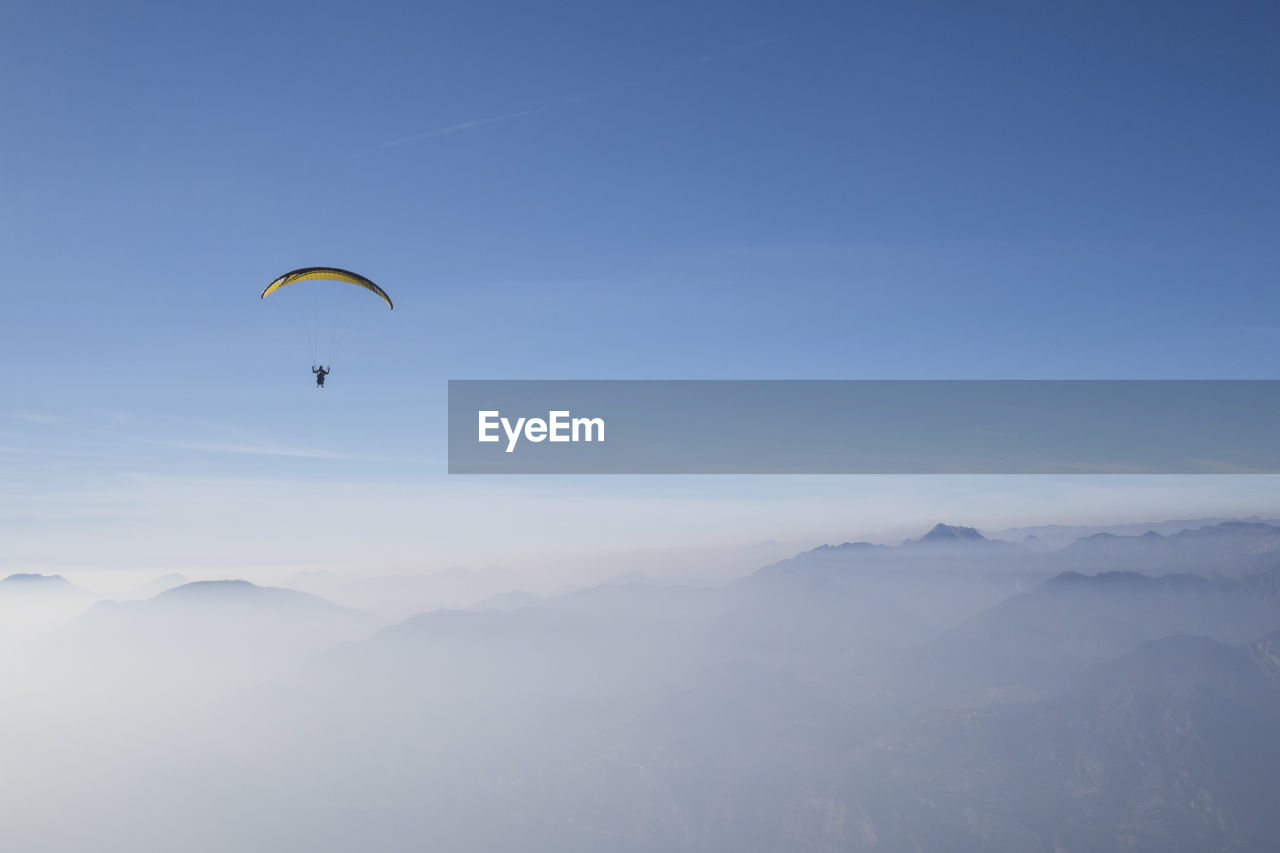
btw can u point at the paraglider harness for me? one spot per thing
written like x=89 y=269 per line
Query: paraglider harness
x=320 y=373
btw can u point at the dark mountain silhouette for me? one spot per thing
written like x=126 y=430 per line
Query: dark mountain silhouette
x=937 y=581
x=1061 y=535
x=31 y=579
x=952 y=573
x=32 y=584
x=1174 y=746
x=949 y=533
x=1233 y=549
x=240 y=592
x=1038 y=639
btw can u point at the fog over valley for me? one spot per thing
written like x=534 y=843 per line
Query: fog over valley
x=956 y=691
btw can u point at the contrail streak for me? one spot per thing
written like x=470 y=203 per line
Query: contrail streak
x=590 y=96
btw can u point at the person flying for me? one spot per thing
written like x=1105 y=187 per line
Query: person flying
x=306 y=276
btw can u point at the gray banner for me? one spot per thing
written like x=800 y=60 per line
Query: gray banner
x=863 y=427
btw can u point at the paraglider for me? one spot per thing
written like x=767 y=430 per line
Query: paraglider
x=330 y=273
x=335 y=323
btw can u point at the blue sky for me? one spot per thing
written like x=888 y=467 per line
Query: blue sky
x=595 y=190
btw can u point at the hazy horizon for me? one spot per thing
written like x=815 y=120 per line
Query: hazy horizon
x=549 y=574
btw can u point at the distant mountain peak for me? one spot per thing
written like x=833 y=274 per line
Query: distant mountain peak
x=237 y=593
x=952 y=533
x=218 y=584
x=1228 y=528
x=844 y=546
x=1070 y=578
x=32 y=579
x=204 y=589
x=50 y=588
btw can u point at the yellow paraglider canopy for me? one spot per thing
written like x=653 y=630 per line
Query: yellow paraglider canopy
x=331 y=273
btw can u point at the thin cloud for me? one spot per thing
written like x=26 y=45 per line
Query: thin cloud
x=38 y=417
x=481 y=122
x=583 y=98
x=286 y=451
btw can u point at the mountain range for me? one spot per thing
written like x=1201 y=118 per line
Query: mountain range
x=953 y=692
